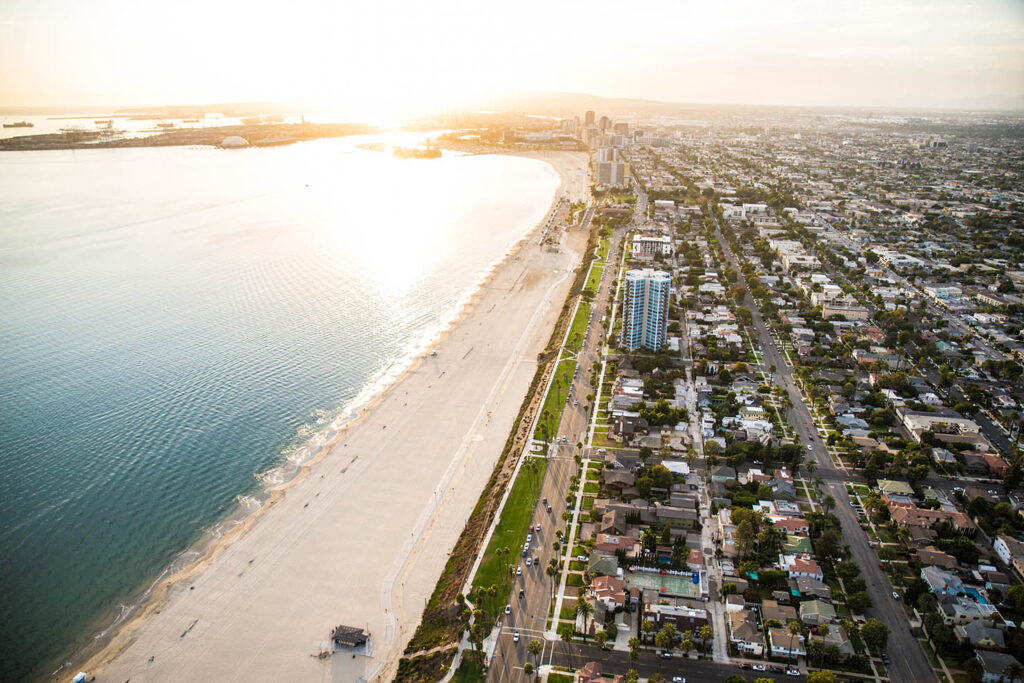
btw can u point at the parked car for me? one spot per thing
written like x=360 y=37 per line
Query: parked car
x=519 y=571
x=895 y=595
x=678 y=679
x=792 y=672
x=529 y=561
x=665 y=654
x=759 y=667
x=508 y=609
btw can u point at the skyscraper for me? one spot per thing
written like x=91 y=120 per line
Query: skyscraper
x=588 y=118
x=645 y=309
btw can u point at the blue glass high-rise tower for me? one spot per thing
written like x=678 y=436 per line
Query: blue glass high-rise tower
x=645 y=309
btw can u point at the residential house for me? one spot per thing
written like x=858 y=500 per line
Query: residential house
x=784 y=644
x=978 y=635
x=771 y=609
x=941 y=581
x=744 y=633
x=800 y=565
x=804 y=587
x=994 y=666
x=610 y=591
x=815 y=612
x=1010 y=551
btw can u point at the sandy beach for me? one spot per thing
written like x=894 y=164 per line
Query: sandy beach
x=361 y=538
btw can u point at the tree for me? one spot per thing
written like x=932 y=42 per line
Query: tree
x=535 y=647
x=634 y=649
x=647 y=628
x=875 y=634
x=744 y=538
x=706 y=634
x=656 y=678
x=601 y=637
x=632 y=676
x=821 y=677
x=795 y=629
x=687 y=645
x=1016 y=596
x=528 y=669
x=828 y=503
x=823 y=631
x=584 y=609
x=661 y=640
x=1014 y=671
x=859 y=601
x=736 y=678
x=975 y=671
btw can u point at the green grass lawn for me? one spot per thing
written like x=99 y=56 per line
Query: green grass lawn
x=554 y=402
x=511 y=530
x=471 y=669
x=560 y=678
x=594 y=279
x=574 y=342
x=574 y=580
x=602 y=249
x=591 y=487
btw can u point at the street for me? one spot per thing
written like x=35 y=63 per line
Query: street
x=907 y=661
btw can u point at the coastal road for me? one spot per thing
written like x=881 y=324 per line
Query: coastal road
x=907 y=659
x=529 y=613
x=617 y=662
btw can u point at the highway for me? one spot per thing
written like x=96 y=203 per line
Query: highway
x=907 y=660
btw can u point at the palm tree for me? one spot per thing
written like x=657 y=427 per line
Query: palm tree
x=828 y=503
x=584 y=609
x=552 y=571
x=823 y=631
x=706 y=634
x=794 y=630
x=1014 y=671
x=647 y=627
x=535 y=647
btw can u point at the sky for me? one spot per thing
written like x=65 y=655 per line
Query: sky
x=385 y=56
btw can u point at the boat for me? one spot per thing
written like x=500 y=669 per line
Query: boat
x=20 y=124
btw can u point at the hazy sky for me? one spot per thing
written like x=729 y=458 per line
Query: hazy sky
x=382 y=55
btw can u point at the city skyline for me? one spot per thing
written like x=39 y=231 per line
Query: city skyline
x=396 y=60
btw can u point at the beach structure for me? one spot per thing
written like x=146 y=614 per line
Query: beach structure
x=645 y=309
x=349 y=636
x=234 y=142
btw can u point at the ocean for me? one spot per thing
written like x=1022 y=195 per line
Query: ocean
x=181 y=326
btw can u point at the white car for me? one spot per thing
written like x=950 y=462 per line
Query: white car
x=678 y=679
x=515 y=636
x=759 y=667
x=519 y=571
x=529 y=561
x=895 y=595
x=508 y=609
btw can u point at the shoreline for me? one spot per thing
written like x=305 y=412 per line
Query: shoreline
x=120 y=636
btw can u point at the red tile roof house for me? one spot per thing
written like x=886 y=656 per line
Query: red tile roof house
x=591 y=673
x=801 y=565
x=918 y=517
x=609 y=591
x=791 y=525
x=610 y=543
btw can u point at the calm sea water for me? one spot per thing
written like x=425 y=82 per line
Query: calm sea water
x=176 y=322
